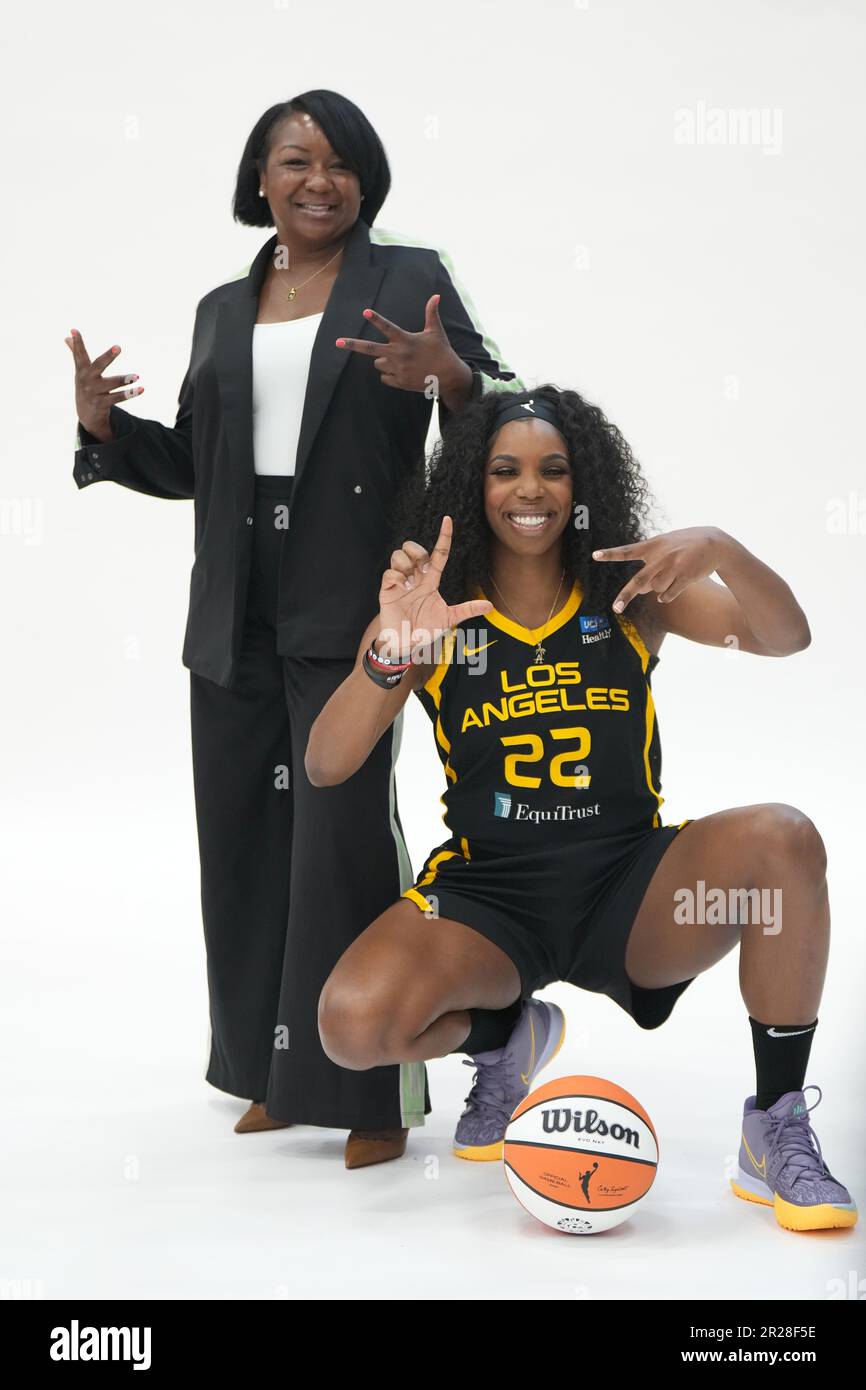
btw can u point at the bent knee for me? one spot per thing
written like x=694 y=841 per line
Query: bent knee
x=348 y=1027
x=786 y=836
x=363 y=1027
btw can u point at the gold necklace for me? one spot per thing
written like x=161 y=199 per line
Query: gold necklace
x=294 y=289
x=539 y=649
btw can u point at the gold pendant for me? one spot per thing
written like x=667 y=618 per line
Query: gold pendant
x=539 y=653
x=292 y=292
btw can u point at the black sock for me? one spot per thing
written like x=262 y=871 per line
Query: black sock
x=491 y=1028
x=781 y=1057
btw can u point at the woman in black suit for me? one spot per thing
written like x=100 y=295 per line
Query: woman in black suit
x=293 y=437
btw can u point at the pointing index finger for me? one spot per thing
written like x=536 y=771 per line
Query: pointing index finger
x=442 y=548
x=390 y=330
x=619 y=552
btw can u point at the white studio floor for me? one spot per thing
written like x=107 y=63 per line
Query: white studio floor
x=122 y=1176
x=150 y=1194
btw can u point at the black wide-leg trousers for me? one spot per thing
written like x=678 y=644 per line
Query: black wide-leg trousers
x=291 y=874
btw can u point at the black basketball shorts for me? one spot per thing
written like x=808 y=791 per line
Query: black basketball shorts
x=559 y=912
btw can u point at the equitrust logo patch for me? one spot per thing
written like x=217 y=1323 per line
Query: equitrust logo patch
x=507 y=809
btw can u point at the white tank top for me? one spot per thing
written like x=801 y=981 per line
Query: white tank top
x=281 y=365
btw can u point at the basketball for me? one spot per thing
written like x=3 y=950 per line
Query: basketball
x=580 y=1154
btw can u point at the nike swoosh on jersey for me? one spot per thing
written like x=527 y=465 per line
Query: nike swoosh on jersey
x=473 y=651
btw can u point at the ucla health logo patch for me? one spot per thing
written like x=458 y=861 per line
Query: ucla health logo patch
x=502 y=804
x=594 y=627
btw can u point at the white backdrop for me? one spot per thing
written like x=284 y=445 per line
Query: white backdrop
x=620 y=230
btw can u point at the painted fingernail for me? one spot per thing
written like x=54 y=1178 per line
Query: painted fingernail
x=341 y=342
x=368 y=313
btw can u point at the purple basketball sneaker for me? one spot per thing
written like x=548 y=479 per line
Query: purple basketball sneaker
x=781 y=1166
x=503 y=1077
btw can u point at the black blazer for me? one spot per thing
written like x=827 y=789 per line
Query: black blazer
x=357 y=441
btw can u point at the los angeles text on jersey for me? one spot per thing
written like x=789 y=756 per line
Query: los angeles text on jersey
x=544 y=689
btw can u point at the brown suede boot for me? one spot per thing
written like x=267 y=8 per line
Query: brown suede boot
x=366 y=1146
x=256 y=1118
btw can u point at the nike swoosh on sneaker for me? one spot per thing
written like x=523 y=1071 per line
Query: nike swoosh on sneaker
x=759 y=1167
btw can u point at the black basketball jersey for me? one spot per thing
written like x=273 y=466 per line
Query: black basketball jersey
x=551 y=746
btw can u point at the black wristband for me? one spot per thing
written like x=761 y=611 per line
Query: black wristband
x=387 y=680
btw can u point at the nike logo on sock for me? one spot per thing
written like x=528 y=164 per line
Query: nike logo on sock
x=771 y=1032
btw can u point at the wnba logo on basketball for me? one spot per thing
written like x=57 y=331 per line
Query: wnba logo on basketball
x=558 y=1121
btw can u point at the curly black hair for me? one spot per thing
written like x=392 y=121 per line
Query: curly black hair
x=607 y=480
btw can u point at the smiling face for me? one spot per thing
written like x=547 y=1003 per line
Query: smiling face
x=314 y=197
x=528 y=486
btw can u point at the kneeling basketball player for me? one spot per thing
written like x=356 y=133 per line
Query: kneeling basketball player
x=530 y=631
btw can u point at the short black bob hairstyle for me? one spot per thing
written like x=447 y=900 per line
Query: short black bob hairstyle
x=350 y=134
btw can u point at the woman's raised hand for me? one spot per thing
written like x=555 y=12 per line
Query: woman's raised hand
x=669 y=563
x=95 y=394
x=412 y=611
x=411 y=361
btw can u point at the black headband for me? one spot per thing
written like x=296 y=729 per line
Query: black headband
x=537 y=407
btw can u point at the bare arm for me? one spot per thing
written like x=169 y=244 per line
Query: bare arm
x=753 y=609
x=358 y=713
x=412 y=616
